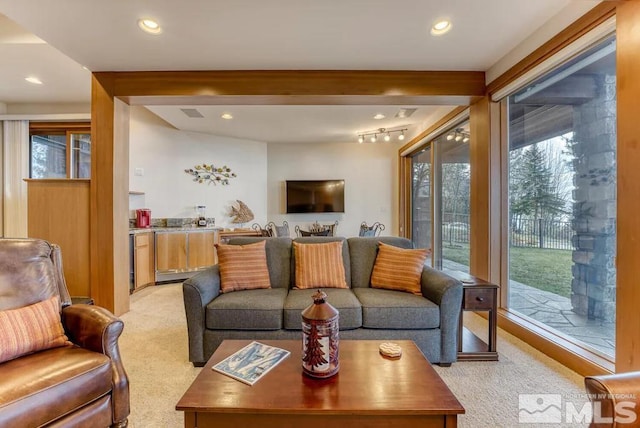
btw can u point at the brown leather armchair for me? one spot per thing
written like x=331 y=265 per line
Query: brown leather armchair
x=615 y=398
x=84 y=385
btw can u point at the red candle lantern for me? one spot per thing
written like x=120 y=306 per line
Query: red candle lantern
x=320 y=338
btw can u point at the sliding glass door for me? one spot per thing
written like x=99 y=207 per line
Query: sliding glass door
x=440 y=198
x=421 y=219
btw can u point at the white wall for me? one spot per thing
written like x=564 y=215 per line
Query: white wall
x=370 y=172
x=165 y=152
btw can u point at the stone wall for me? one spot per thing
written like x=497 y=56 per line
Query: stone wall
x=594 y=210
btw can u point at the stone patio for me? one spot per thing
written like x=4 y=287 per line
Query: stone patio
x=556 y=312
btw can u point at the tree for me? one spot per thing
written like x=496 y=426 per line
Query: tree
x=532 y=185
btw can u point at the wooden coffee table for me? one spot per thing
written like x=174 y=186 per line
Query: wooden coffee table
x=369 y=391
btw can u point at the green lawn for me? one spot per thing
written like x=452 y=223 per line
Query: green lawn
x=548 y=270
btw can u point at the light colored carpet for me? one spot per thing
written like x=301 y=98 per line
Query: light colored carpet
x=154 y=350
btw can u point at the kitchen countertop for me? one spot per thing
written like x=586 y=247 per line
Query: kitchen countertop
x=135 y=230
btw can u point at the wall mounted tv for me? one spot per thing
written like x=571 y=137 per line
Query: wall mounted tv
x=315 y=196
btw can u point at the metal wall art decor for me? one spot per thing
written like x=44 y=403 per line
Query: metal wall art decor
x=211 y=174
x=320 y=338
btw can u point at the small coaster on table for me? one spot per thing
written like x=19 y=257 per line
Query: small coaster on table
x=390 y=349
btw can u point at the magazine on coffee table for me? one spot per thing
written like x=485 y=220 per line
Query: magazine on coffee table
x=250 y=363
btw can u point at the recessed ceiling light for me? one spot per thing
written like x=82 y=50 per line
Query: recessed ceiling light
x=34 y=80
x=440 y=27
x=227 y=116
x=149 y=26
x=379 y=116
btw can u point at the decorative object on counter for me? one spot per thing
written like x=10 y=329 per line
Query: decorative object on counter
x=374 y=230
x=320 y=338
x=211 y=174
x=241 y=213
x=143 y=218
x=202 y=218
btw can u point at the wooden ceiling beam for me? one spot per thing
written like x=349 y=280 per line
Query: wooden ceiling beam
x=304 y=87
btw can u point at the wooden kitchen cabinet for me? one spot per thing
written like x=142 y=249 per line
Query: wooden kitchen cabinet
x=201 y=250
x=143 y=258
x=180 y=254
x=171 y=251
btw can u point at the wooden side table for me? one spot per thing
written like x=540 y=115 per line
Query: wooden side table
x=477 y=295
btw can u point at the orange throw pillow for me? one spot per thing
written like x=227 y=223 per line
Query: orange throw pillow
x=398 y=268
x=243 y=267
x=31 y=328
x=319 y=265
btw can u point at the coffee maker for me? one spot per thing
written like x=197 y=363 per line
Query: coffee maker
x=143 y=217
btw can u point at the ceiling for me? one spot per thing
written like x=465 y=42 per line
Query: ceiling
x=254 y=35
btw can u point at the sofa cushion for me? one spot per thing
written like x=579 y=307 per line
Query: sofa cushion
x=31 y=328
x=387 y=309
x=243 y=267
x=247 y=310
x=278 y=258
x=398 y=268
x=342 y=299
x=41 y=387
x=363 y=251
x=319 y=265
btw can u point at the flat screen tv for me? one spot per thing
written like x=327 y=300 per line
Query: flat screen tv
x=315 y=196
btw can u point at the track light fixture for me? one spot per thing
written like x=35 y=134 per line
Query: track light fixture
x=459 y=134
x=382 y=131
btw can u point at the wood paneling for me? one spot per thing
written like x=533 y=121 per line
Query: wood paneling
x=109 y=198
x=480 y=157
x=296 y=87
x=628 y=237
x=58 y=211
x=201 y=249
x=43 y=127
x=171 y=251
x=577 y=29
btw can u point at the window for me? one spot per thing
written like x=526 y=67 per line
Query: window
x=440 y=198
x=60 y=150
x=562 y=199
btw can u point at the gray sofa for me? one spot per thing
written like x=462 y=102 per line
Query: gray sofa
x=430 y=320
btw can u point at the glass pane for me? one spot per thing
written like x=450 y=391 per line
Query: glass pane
x=48 y=156
x=421 y=199
x=80 y=155
x=453 y=147
x=562 y=199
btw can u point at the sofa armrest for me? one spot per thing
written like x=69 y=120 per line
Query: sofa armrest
x=198 y=291
x=446 y=292
x=96 y=329
x=620 y=389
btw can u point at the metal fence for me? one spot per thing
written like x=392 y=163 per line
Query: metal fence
x=531 y=233
x=541 y=233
